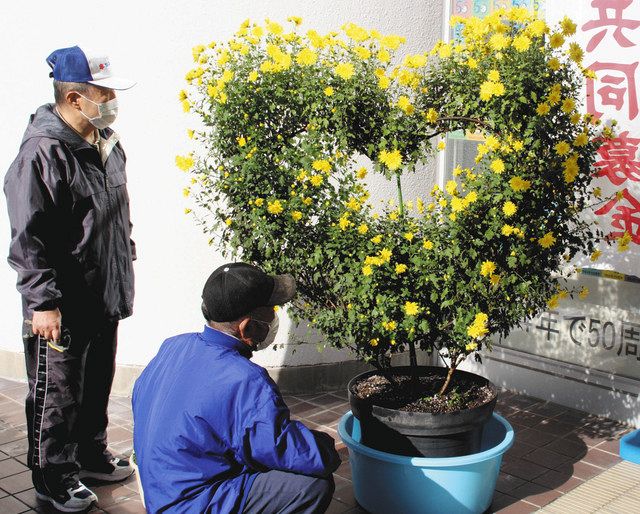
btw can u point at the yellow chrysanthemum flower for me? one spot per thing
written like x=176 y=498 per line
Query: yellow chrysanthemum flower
x=362 y=52
x=307 y=57
x=376 y=240
x=509 y=208
x=547 y=240
x=384 y=82
x=321 y=165
x=519 y=184
x=274 y=207
x=521 y=43
x=487 y=268
x=401 y=268
x=363 y=229
x=385 y=254
x=543 y=109
x=479 y=328
x=568 y=105
x=389 y=325
x=328 y=91
x=411 y=308
x=392 y=41
x=554 y=63
x=499 y=42
x=344 y=70
x=497 y=165
x=536 y=28
x=556 y=40
x=507 y=230
x=427 y=245
x=259 y=202
x=575 y=52
x=367 y=270
x=568 y=26
x=274 y=28
x=184 y=162
x=296 y=215
x=392 y=160
x=405 y=104
x=562 y=148
x=344 y=222
x=457 y=205
x=581 y=139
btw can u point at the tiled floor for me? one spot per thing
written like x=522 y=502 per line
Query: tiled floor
x=556 y=450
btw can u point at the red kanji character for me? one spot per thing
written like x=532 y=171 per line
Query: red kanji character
x=611 y=95
x=619 y=159
x=605 y=21
x=628 y=219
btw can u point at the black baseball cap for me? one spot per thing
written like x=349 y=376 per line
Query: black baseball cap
x=235 y=289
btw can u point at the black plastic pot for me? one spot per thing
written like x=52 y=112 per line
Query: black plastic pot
x=418 y=433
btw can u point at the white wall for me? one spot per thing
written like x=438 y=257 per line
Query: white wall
x=150 y=41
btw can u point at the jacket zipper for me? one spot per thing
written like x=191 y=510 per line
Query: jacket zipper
x=122 y=303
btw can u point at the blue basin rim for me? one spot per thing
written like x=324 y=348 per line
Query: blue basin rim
x=427 y=462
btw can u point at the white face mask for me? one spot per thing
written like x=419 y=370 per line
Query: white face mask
x=107 y=113
x=271 y=334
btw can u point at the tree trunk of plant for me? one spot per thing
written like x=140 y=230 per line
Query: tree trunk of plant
x=447 y=381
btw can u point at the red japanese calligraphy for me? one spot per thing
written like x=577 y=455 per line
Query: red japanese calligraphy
x=613 y=91
x=627 y=219
x=616 y=21
x=618 y=159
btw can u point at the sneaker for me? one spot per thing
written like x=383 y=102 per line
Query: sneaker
x=75 y=498
x=113 y=471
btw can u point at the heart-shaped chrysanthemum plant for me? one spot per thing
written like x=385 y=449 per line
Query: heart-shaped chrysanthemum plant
x=287 y=115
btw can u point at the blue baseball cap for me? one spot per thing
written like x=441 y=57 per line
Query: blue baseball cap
x=75 y=65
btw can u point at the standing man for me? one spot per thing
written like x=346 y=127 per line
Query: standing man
x=71 y=247
x=211 y=430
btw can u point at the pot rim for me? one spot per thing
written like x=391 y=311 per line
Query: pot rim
x=385 y=411
x=429 y=462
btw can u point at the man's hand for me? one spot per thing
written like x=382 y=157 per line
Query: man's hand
x=47 y=324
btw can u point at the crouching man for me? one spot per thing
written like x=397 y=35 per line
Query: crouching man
x=211 y=430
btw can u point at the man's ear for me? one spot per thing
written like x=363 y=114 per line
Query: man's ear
x=72 y=99
x=244 y=329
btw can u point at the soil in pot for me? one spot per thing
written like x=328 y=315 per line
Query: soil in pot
x=403 y=414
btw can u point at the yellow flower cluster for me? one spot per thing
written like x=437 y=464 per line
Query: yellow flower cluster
x=184 y=162
x=547 y=240
x=392 y=160
x=623 y=242
x=274 y=207
x=479 y=328
x=411 y=308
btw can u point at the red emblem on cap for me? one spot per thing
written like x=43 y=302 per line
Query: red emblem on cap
x=102 y=66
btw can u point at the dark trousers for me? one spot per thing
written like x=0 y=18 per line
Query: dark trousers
x=287 y=493
x=69 y=386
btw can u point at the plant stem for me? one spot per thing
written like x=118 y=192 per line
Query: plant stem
x=443 y=389
x=400 y=200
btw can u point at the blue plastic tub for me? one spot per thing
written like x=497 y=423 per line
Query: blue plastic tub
x=630 y=447
x=384 y=483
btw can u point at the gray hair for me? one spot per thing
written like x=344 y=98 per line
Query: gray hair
x=60 y=89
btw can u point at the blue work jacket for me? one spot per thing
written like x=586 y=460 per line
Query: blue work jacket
x=207 y=420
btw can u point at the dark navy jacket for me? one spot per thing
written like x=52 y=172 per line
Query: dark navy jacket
x=207 y=420
x=70 y=229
